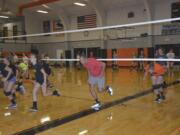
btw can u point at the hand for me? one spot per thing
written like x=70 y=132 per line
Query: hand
x=101 y=74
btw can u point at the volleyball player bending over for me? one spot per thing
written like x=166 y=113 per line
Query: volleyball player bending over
x=96 y=71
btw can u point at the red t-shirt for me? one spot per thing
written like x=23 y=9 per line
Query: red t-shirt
x=93 y=66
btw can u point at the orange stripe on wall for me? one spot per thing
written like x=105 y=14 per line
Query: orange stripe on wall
x=126 y=53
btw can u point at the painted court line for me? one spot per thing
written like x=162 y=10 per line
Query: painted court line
x=75 y=116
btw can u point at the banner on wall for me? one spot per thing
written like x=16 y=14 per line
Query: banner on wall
x=175 y=11
x=171 y=29
x=15 y=30
x=5 y=31
x=58 y=26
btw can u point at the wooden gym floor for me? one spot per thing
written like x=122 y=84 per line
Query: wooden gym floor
x=140 y=116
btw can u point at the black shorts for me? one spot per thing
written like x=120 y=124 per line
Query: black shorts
x=40 y=81
x=48 y=72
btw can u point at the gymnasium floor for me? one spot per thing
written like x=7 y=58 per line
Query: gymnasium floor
x=140 y=116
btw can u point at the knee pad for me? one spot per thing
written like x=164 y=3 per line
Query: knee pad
x=156 y=87
x=7 y=93
x=159 y=86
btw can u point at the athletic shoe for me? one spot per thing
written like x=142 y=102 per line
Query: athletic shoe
x=96 y=106
x=158 y=100
x=56 y=93
x=109 y=90
x=33 y=109
x=12 y=106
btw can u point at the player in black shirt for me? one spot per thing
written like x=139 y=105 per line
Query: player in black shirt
x=40 y=81
x=9 y=72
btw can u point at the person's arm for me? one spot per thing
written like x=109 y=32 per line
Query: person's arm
x=174 y=56
x=44 y=75
x=9 y=73
x=103 y=65
x=17 y=72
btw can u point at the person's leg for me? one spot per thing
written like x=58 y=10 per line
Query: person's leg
x=102 y=88
x=116 y=65
x=140 y=66
x=92 y=91
x=160 y=81
x=155 y=88
x=172 y=69
x=44 y=91
x=20 y=88
x=34 y=107
x=5 y=85
x=169 y=70
x=92 y=81
x=49 y=84
x=8 y=93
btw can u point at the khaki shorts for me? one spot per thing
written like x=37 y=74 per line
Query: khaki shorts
x=99 y=81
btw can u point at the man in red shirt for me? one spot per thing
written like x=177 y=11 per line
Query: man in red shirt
x=96 y=71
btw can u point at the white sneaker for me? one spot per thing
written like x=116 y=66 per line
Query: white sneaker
x=96 y=106
x=110 y=90
x=158 y=100
x=12 y=106
x=32 y=109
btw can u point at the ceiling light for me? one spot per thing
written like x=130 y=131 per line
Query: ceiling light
x=42 y=11
x=1 y=16
x=44 y=5
x=80 y=4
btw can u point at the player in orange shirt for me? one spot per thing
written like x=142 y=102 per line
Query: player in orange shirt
x=157 y=71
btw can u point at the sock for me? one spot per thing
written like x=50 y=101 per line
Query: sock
x=13 y=101
x=97 y=101
x=35 y=104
